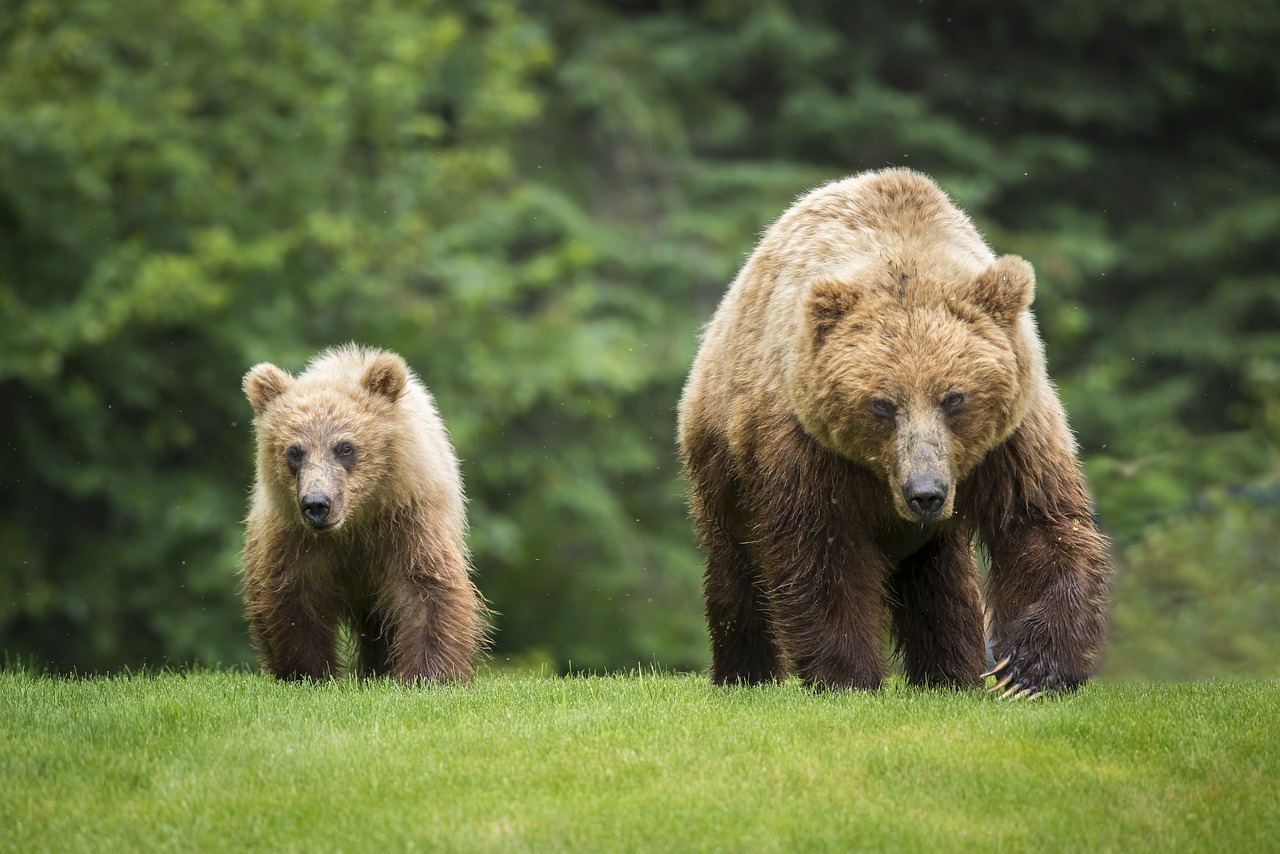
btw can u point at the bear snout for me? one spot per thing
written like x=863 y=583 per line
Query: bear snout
x=315 y=507
x=925 y=496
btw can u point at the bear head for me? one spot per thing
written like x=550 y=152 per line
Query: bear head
x=325 y=440
x=917 y=379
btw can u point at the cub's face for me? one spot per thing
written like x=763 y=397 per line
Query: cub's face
x=323 y=445
x=321 y=466
x=916 y=391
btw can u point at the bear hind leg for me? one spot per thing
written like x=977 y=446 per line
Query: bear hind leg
x=373 y=637
x=937 y=614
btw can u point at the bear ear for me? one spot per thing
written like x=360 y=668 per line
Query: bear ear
x=828 y=302
x=386 y=375
x=263 y=384
x=1005 y=288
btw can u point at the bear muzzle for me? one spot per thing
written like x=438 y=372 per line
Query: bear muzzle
x=316 y=508
x=925 y=473
x=925 y=497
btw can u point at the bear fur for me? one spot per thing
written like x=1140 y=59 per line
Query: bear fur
x=870 y=397
x=357 y=518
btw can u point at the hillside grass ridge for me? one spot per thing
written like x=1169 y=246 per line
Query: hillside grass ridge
x=651 y=761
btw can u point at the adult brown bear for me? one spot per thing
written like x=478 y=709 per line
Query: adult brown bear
x=871 y=395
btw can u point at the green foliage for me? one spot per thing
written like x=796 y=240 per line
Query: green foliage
x=188 y=196
x=1189 y=584
x=538 y=204
x=650 y=762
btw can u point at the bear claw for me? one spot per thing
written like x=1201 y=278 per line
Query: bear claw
x=1010 y=689
x=1014 y=690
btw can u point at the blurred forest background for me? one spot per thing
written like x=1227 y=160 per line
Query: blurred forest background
x=539 y=204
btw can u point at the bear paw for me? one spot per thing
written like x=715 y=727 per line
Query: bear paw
x=1026 y=677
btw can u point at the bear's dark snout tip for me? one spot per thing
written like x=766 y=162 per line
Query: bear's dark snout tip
x=315 y=509
x=925 y=498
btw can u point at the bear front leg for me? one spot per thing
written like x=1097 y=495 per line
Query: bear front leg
x=825 y=574
x=1048 y=594
x=433 y=611
x=294 y=636
x=937 y=613
x=743 y=645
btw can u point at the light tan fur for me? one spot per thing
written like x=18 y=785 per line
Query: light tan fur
x=389 y=557
x=820 y=517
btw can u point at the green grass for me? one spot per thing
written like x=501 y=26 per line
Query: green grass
x=226 y=760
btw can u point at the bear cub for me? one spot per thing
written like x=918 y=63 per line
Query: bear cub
x=357 y=519
x=869 y=398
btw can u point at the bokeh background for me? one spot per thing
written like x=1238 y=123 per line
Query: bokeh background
x=538 y=204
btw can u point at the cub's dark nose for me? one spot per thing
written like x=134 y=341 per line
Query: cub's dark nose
x=924 y=496
x=315 y=508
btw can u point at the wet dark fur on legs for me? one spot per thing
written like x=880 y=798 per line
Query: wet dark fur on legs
x=796 y=580
x=412 y=620
x=789 y=571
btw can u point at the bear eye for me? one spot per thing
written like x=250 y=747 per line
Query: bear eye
x=953 y=403
x=346 y=453
x=293 y=456
x=883 y=408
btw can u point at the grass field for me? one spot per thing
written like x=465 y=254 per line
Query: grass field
x=646 y=762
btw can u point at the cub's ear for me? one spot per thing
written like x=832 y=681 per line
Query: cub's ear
x=829 y=300
x=1004 y=289
x=386 y=375
x=263 y=384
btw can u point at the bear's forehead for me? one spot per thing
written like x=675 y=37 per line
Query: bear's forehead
x=902 y=280
x=920 y=326
x=318 y=412
x=926 y=349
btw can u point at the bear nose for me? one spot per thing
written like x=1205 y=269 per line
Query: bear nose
x=925 y=496
x=315 y=508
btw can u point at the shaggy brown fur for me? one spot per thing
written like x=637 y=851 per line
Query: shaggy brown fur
x=357 y=518
x=870 y=396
